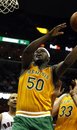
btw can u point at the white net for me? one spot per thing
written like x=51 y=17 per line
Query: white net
x=7 y=6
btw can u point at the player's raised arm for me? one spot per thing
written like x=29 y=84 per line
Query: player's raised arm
x=31 y=48
x=69 y=60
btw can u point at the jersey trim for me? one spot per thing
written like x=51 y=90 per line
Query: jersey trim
x=33 y=114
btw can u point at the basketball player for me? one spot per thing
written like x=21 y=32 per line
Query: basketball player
x=37 y=84
x=66 y=107
x=6 y=118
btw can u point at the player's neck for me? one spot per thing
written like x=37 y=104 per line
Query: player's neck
x=41 y=66
x=12 y=111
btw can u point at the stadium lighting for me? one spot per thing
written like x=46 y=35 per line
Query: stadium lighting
x=55 y=47
x=4 y=95
x=42 y=30
x=68 y=49
x=13 y=40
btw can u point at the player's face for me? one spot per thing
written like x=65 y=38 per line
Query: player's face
x=12 y=100
x=41 y=56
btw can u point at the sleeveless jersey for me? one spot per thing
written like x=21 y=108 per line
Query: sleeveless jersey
x=7 y=120
x=67 y=116
x=35 y=91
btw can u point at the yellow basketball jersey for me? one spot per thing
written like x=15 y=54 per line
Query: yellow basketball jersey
x=35 y=90
x=67 y=116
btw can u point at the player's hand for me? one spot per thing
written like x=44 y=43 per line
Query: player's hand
x=57 y=30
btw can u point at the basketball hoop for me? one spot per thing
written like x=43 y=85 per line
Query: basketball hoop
x=7 y=6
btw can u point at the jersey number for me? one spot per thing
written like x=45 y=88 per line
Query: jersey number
x=38 y=85
x=66 y=111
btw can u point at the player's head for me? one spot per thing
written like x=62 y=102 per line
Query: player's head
x=41 y=55
x=12 y=100
x=72 y=83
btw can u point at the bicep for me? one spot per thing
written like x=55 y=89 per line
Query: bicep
x=55 y=108
x=56 y=105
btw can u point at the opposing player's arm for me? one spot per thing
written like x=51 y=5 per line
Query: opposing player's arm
x=32 y=47
x=56 y=105
x=63 y=66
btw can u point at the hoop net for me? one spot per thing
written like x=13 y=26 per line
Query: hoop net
x=7 y=6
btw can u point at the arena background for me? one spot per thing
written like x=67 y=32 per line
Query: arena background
x=21 y=24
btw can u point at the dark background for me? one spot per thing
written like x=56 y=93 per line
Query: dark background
x=31 y=13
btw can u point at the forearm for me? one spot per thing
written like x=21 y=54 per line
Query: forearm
x=36 y=43
x=56 y=31
x=69 y=60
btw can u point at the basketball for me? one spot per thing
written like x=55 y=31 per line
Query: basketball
x=73 y=21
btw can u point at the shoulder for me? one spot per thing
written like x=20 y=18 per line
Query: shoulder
x=61 y=97
x=4 y=113
x=25 y=69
